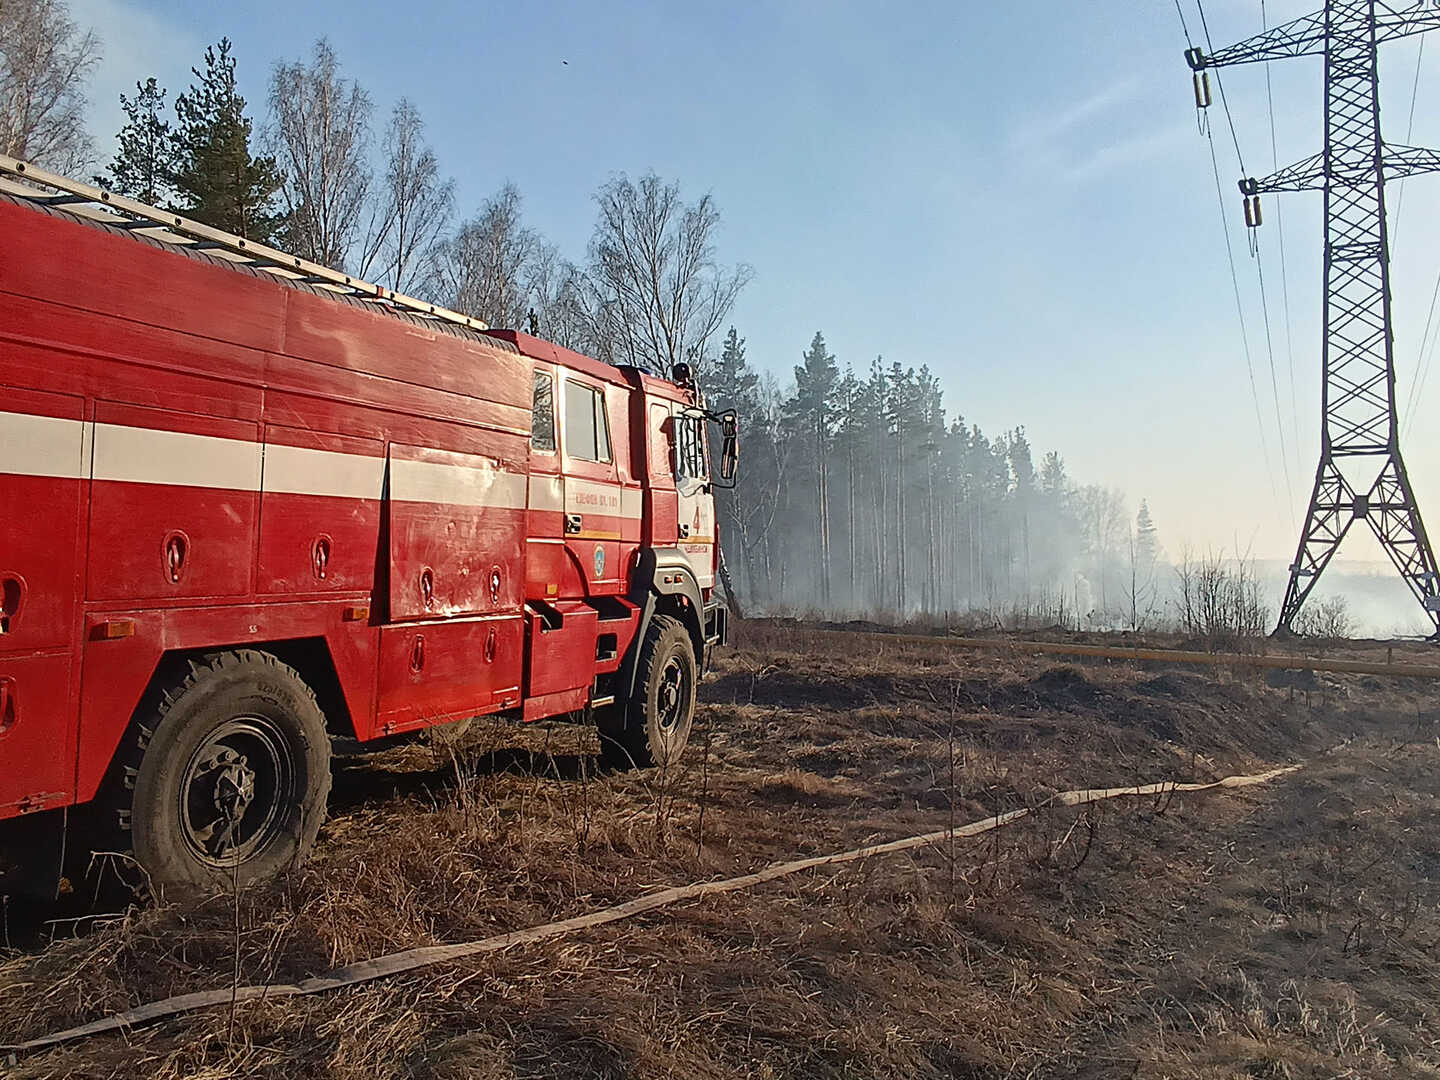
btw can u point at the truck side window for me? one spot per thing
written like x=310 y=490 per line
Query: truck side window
x=690 y=448
x=587 y=429
x=542 y=421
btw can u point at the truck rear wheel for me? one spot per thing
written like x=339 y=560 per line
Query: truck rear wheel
x=228 y=776
x=655 y=725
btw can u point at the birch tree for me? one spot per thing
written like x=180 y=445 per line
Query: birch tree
x=411 y=210
x=45 y=59
x=320 y=135
x=558 y=298
x=488 y=261
x=657 y=294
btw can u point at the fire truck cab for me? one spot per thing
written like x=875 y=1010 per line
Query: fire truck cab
x=249 y=504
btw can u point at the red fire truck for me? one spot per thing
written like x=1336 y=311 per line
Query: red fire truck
x=249 y=504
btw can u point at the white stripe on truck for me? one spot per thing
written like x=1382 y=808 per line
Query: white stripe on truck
x=136 y=455
x=298 y=470
x=33 y=445
x=456 y=484
x=47 y=446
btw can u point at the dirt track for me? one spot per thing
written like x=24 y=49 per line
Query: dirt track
x=1287 y=931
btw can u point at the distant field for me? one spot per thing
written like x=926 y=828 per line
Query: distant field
x=1283 y=931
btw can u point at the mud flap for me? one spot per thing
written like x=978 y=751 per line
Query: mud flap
x=32 y=855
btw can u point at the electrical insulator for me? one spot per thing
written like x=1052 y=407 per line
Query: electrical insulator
x=1252 y=211
x=1202 y=89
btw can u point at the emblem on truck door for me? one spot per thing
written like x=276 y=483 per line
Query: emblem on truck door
x=599 y=561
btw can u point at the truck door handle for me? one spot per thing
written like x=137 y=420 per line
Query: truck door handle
x=9 y=710
x=684 y=530
x=12 y=593
x=573 y=523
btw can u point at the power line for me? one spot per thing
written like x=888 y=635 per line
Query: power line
x=1422 y=361
x=1240 y=310
x=1275 y=389
x=1183 y=26
x=1409 y=132
x=1219 y=85
x=1422 y=357
x=1234 y=274
x=1284 y=267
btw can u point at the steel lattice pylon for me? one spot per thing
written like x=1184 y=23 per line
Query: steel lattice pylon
x=1361 y=474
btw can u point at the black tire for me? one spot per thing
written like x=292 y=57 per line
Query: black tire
x=226 y=776
x=657 y=720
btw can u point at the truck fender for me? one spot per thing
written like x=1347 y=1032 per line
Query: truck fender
x=663 y=574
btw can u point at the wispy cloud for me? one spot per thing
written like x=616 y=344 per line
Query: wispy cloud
x=1097 y=162
x=1043 y=129
x=1094 y=137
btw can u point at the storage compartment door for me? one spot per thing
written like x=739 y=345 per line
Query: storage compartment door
x=560 y=657
x=44 y=463
x=37 y=733
x=319 y=512
x=432 y=672
x=173 y=505
x=456 y=534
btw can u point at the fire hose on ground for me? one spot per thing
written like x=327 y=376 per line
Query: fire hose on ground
x=382 y=967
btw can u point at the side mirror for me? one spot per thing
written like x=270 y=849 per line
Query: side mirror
x=730 y=447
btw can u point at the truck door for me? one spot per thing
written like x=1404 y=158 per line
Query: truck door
x=594 y=498
x=44 y=462
x=696 y=505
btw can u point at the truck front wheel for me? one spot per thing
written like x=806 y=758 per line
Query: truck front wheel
x=227 y=776
x=655 y=725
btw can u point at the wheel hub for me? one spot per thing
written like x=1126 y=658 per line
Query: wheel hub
x=236 y=791
x=234 y=788
x=671 y=696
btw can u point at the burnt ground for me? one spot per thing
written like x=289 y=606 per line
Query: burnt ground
x=1282 y=931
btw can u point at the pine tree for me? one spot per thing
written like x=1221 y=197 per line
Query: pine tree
x=1147 y=542
x=1022 y=468
x=1144 y=553
x=1053 y=480
x=849 y=435
x=144 y=158
x=813 y=411
x=902 y=414
x=871 y=410
x=218 y=180
x=748 y=509
x=731 y=383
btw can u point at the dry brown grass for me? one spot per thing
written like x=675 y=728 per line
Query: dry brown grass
x=1271 y=934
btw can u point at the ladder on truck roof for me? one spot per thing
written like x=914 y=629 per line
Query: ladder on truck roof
x=27 y=181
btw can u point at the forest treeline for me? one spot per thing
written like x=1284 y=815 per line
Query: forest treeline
x=859 y=492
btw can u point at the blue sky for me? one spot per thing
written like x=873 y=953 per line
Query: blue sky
x=1014 y=194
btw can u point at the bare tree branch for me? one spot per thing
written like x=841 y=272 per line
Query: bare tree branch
x=411 y=211
x=44 y=60
x=656 y=294
x=320 y=134
x=486 y=262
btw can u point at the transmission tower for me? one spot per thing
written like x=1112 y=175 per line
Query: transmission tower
x=1361 y=475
